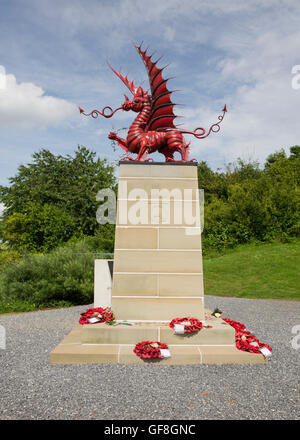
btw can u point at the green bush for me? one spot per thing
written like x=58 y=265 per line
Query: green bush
x=65 y=274
x=248 y=204
x=8 y=256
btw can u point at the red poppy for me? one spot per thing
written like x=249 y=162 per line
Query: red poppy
x=103 y=314
x=147 y=350
x=243 y=338
x=194 y=324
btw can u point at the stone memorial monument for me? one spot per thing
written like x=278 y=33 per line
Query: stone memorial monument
x=157 y=271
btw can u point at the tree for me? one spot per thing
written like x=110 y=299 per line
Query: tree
x=53 y=198
x=295 y=152
x=40 y=228
x=274 y=157
x=247 y=202
x=212 y=182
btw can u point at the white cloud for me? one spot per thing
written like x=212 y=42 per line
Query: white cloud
x=26 y=105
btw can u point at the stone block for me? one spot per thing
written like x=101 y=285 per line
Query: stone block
x=180 y=285
x=180 y=355
x=119 y=334
x=136 y=284
x=158 y=170
x=136 y=238
x=178 y=238
x=177 y=261
x=156 y=309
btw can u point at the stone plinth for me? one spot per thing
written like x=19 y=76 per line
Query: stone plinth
x=157 y=260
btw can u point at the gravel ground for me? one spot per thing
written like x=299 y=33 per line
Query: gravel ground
x=33 y=389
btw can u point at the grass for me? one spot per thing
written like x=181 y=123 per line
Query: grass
x=269 y=271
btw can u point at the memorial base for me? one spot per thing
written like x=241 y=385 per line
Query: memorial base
x=101 y=343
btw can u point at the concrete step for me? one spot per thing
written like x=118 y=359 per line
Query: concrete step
x=220 y=333
x=72 y=351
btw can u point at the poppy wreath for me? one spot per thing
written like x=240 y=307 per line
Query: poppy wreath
x=194 y=326
x=244 y=339
x=148 y=350
x=104 y=314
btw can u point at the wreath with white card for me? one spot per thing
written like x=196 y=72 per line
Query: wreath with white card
x=185 y=325
x=152 y=350
x=97 y=315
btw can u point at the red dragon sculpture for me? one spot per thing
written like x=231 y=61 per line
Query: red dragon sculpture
x=153 y=129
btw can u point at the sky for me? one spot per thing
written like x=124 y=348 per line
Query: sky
x=53 y=57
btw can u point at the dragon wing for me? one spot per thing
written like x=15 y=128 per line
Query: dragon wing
x=162 y=115
x=130 y=84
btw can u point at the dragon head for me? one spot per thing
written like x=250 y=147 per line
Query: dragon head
x=140 y=98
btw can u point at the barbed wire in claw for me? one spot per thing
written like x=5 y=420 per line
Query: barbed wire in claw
x=113 y=142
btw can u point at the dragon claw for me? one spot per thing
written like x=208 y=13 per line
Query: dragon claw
x=127 y=158
x=112 y=135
